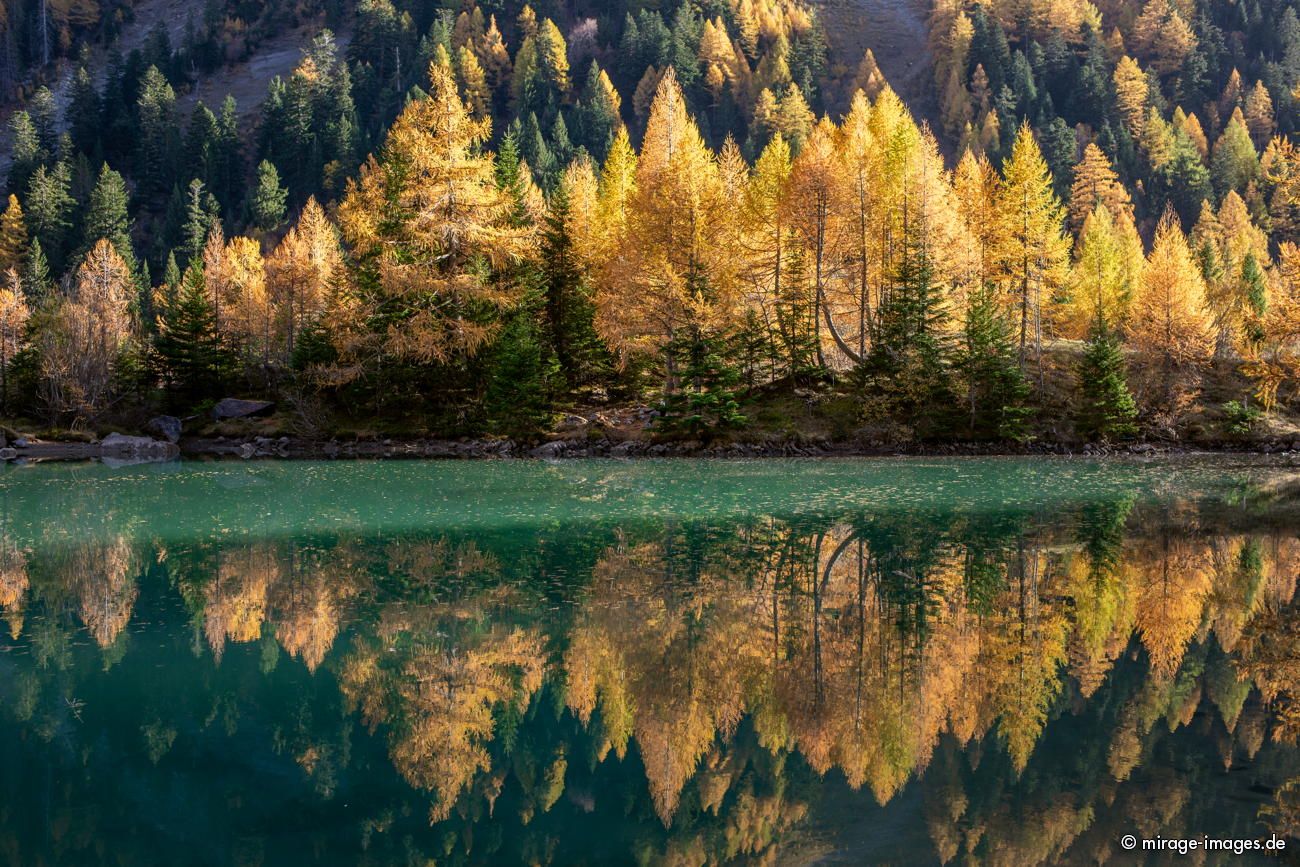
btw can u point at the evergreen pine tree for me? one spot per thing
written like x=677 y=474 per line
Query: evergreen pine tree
x=708 y=400
x=509 y=177
x=189 y=354
x=226 y=160
x=107 y=217
x=171 y=278
x=83 y=113
x=1255 y=289
x=905 y=375
x=201 y=143
x=569 y=310
x=796 y=314
x=200 y=215
x=521 y=374
x=597 y=113
x=158 y=136
x=988 y=361
x=26 y=153
x=1107 y=410
x=45 y=115
x=269 y=198
x=36 y=275
x=686 y=32
x=145 y=301
x=561 y=144
x=49 y=209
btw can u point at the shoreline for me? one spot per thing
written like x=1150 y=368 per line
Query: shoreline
x=132 y=450
x=506 y=449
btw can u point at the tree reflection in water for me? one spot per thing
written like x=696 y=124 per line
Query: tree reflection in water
x=1016 y=686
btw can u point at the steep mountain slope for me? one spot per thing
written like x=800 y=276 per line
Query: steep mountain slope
x=246 y=81
x=896 y=32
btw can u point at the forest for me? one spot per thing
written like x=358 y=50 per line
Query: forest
x=473 y=218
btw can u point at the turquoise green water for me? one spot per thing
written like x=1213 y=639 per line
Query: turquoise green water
x=863 y=661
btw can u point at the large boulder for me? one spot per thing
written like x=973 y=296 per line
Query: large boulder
x=549 y=450
x=120 y=445
x=233 y=407
x=166 y=426
x=116 y=442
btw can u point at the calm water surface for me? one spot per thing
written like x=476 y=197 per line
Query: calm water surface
x=780 y=662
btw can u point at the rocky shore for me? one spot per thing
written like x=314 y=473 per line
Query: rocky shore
x=560 y=449
x=606 y=435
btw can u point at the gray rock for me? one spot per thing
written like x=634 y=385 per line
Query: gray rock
x=548 y=450
x=116 y=442
x=8 y=454
x=233 y=407
x=120 y=445
x=166 y=426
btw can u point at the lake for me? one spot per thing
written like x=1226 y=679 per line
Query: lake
x=995 y=661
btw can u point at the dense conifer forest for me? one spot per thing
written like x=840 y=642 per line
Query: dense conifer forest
x=473 y=218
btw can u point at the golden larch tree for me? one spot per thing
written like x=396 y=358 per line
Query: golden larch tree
x=1276 y=359
x=975 y=185
x=767 y=237
x=250 y=323
x=303 y=276
x=14 y=314
x=81 y=350
x=13 y=237
x=1095 y=183
x=1224 y=242
x=674 y=274
x=473 y=82
x=597 y=242
x=1032 y=251
x=1131 y=95
x=1107 y=268
x=1170 y=328
x=859 y=155
x=818 y=199
x=431 y=232
x=1162 y=35
x=1259 y=114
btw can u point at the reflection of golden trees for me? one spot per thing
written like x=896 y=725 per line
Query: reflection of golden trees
x=683 y=658
x=1023 y=652
x=309 y=603
x=875 y=651
x=13 y=583
x=449 y=697
x=426 y=562
x=302 y=593
x=1271 y=658
x=236 y=596
x=861 y=658
x=1102 y=620
x=104 y=578
x=1173 y=581
x=438 y=694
